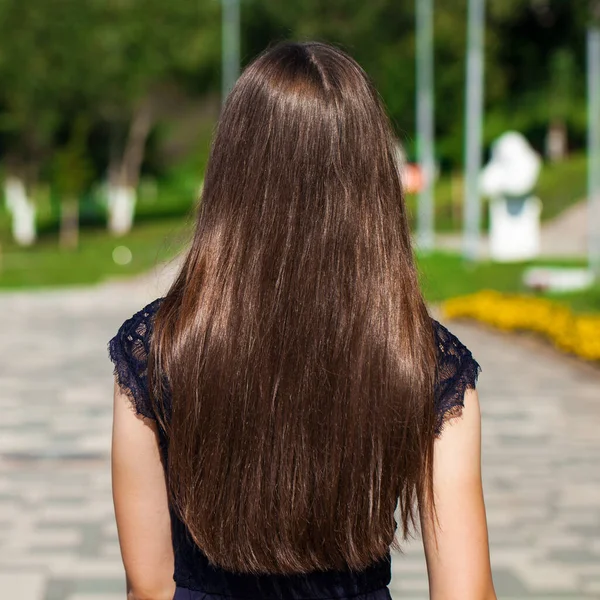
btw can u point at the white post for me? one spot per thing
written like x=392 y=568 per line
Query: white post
x=473 y=128
x=425 y=124
x=593 y=65
x=230 y=51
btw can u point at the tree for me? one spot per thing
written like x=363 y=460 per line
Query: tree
x=28 y=116
x=72 y=175
x=116 y=62
x=46 y=87
x=147 y=48
x=541 y=50
x=561 y=102
x=380 y=36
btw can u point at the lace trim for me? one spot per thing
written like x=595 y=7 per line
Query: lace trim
x=457 y=372
x=129 y=351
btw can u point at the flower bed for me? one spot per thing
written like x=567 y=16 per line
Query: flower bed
x=577 y=334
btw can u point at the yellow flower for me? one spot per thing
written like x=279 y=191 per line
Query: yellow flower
x=577 y=334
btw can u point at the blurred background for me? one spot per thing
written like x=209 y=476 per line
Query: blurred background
x=107 y=108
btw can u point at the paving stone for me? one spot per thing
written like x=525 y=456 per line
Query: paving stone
x=99 y=586
x=592 y=586
x=540 y=449
x=59 y=589
x=509 y=583
x=24 y=584
x=92 y=539
x=576 y=556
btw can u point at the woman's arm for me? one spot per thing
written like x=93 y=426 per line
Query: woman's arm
x=456 y=543
x=141 y=506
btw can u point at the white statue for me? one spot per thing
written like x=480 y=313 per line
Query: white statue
x=509 y=179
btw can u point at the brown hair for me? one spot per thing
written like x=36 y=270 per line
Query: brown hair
x=295 y=342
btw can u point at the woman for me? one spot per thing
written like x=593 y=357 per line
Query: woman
x=290 y=390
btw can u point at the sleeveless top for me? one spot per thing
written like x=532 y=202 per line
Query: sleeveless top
x=457 y=370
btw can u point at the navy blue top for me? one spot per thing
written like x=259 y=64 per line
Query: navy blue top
x=457 y=370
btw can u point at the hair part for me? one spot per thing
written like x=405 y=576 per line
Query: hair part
x=295 y=342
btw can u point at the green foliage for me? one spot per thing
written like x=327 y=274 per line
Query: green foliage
x=105 y=58
x=101 y=58
x=535 y=59
x=73 y=172
x=562 y=83
x=135 y=46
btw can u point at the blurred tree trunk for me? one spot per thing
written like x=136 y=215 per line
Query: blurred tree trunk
x=560 y=99
x=69 y=224
x=72 y=175
x=124 y=174
x=556 y=140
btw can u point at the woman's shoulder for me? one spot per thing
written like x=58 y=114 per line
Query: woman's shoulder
x=129 y=350
x=457 y=371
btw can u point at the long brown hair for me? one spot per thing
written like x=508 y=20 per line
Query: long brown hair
x=295 y=342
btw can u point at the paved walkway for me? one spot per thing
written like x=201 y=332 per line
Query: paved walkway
x=541 y=427
x=566 y=235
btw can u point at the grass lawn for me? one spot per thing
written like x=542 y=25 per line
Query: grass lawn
x=445 y=276
x=155 y=240
x=161 y=229
x=47 y=265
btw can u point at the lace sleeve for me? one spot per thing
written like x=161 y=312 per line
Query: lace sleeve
x=457 y=372
x=129 y=351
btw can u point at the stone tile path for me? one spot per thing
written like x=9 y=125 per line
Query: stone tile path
x=541 y=427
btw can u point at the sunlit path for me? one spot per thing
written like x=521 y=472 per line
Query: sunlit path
x=541 y=466
x=541 y=423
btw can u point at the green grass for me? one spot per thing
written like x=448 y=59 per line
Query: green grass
x=151 y=242
x=587 y=301
x=560 y=186
x=160 y=230
x=445 y=276
x=47 y=265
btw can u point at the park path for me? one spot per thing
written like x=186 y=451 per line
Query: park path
x=541 y=455
x=566 y=235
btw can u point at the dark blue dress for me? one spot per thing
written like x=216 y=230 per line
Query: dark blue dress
x=196 y=579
